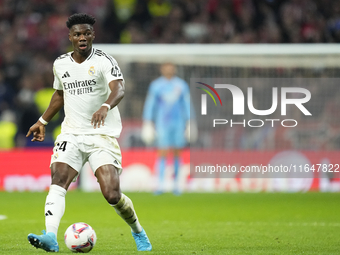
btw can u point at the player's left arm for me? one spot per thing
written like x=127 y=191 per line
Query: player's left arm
x=188 y=109
x=117 y=93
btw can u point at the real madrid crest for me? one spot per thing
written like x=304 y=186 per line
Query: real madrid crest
x=55 y=156
x=92 y=71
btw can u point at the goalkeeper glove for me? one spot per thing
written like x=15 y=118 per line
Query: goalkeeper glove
x=191 y=132
x=148 y=132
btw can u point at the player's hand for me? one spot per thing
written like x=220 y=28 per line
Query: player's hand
x=38 y=131
x=98 y=118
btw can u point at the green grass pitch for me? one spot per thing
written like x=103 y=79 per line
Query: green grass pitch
x=193 y=223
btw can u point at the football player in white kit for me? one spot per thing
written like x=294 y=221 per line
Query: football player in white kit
x=89 y=84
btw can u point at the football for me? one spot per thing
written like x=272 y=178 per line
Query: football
x=80 y=237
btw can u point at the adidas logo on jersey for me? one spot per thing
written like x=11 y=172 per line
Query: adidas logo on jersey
x=66 y=75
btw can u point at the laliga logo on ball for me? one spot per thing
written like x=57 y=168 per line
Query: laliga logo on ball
x=80 y=237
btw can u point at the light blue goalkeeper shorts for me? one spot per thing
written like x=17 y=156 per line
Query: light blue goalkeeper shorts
x=170 y=137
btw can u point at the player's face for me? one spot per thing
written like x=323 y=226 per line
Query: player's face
x=168 y=70
x=81 y=36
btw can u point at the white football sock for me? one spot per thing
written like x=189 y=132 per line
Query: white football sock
x=54 y=208
x=124 y=208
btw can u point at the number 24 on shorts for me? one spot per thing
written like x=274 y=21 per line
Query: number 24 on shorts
x=61 y=146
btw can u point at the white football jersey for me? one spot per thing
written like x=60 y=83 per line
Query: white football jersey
x=86 y=88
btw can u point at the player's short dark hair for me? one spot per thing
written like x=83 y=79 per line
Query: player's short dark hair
x=80 y=18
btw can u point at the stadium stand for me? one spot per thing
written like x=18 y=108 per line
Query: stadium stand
x=35 y=31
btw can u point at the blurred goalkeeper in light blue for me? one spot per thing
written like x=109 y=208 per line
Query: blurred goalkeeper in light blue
x=166 y=119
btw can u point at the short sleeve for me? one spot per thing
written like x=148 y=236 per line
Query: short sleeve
x=111 y=70
x=56 y=83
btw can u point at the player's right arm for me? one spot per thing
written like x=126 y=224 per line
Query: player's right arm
x=148 y=132
x=38 y=129
x=150 y=103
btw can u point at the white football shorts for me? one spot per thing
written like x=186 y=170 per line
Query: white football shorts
x=76 y=150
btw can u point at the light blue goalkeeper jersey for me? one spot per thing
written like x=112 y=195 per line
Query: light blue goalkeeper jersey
x=168 y=105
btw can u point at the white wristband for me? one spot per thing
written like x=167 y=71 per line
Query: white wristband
x=43 y=121
x=107 y=105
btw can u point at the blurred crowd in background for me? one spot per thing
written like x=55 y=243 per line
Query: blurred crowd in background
x=33 y=33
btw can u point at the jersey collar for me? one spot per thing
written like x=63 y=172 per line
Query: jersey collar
x=88 y=58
